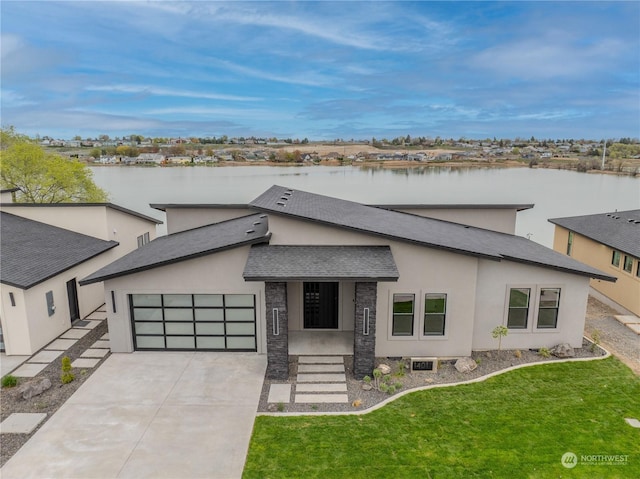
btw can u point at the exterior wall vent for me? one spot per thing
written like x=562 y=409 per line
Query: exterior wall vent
x=424 y=364
x=250 y=231
x=280 y=203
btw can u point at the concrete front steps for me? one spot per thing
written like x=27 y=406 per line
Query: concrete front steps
x=321 y=379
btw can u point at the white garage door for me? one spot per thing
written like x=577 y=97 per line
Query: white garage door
x=186 y=322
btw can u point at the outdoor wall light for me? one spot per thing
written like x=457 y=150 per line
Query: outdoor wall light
x=365 y=323
x=276 y=322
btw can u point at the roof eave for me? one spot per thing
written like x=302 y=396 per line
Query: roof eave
x=325 y=279
x=98 y=279
x=42 y=280
x=587 y=274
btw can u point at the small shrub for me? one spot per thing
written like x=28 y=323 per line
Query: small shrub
x=544 y=352
x=478 y=361
x=280 y=406
x=498 y=333
x=67 y=376
x=402 y=367
x=595 y=340
x=9 y=381
x=384 y=387
x=517 y=353
x=398 y=386
x=367 y=379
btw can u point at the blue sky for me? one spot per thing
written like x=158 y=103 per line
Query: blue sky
x=322 y=70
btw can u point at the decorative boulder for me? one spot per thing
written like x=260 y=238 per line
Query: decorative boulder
x=384 y=368
x=33 y=388
x=367 y=387
x=465 y=365
x=563 y=350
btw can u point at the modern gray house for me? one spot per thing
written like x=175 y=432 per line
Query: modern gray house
x=263 y=276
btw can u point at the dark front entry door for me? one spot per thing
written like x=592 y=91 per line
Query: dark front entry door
x=72 y=294
x=321 y=305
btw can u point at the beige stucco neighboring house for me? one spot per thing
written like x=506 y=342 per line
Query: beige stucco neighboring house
x=609 y=242
x=44 y=250
x=292 y=265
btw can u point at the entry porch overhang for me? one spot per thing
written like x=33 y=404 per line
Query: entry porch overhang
x=320 y=263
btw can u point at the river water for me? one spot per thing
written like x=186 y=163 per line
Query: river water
x=555 y=193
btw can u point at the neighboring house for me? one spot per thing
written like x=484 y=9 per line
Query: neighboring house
x=6 y=196
x=390 y=283
x=45 y=248
x=609 y=242
x=39 y=267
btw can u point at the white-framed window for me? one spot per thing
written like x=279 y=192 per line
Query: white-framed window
x=532 y=307
x=548 y=307
x=627 y=266
x=518 y=315
x=403 y=314
x=435 y=312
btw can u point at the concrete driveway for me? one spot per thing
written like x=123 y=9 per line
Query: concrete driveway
x=151 y=415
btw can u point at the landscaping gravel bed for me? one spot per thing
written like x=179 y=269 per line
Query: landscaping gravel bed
x=49 y=401
x=359 y=398
x=613 y=335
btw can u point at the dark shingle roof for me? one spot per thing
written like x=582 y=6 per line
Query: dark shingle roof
x=32 y=252
x=429 y=232
x=320 y=263
x=80 y=205
x=186 y=245
x=619 y=230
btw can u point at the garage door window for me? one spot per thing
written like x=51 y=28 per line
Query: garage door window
x=194 y=321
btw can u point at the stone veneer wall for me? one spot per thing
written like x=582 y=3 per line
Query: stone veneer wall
x=277 y=346
x=364 y=347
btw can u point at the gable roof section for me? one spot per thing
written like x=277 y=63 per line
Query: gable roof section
x=433 y=233
x=185 y=245
x=33 y=252
x=79 y=205
x=320 y=263
x=619 y=230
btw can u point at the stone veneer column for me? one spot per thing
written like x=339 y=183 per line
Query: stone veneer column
x=364 y=347
x=277 y=346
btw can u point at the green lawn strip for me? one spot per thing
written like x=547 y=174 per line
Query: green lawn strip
x=518 y=424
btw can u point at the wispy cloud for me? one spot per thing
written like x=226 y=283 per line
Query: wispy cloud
x=159 y=91
x=330 y=69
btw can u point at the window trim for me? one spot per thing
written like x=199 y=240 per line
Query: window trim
x=423 y=323
x=616 y=257
x=527 y=326
x=638 y=268
x=411 y=336
x=539 y=308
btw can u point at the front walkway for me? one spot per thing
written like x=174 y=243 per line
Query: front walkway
x=148 y=414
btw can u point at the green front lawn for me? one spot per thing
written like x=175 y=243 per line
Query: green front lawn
x=515 y=425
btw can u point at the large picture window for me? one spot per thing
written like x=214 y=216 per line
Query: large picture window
x=194 y=321
x=548 y=307
x=403 y=308
x=435 y=310
x=518 y=308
